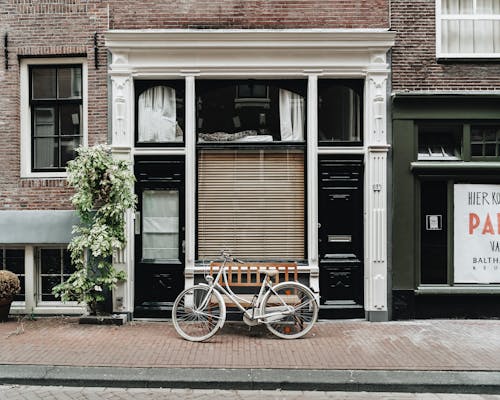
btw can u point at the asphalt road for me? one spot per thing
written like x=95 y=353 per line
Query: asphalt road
x=17 y=392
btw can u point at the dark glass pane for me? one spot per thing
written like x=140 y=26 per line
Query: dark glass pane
x=14 y=260
x=68 y=150
x=433 y=239
x=48 y=282
x=68 y=268
x=248 y=111
x=46 y=153
x=490 y=135
x=20 y=295
x=477 y=149
x=476 y=135
x=339 y=111
x=489 y=149
x=44 y=121
x=69 y=119
x=44 y=83
x=50 y=260
x=70 y=82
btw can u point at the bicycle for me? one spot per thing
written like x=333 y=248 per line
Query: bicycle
x=288 y=309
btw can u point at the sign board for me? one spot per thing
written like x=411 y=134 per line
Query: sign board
x=476 y=233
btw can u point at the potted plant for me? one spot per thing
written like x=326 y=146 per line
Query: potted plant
x=9 y=287
x=104 y=191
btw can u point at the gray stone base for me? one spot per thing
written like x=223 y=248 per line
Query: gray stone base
x=377 y=316
x=113 y=319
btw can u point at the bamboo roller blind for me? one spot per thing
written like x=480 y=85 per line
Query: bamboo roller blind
x=252 y=203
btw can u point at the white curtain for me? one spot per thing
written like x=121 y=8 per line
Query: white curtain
x=157 y=115
x=291 y=116
x=160 y=231
x=471 y=36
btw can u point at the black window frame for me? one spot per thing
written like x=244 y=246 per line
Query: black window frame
x=57 y=103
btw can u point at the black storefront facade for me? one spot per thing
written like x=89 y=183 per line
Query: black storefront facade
x=446 y=226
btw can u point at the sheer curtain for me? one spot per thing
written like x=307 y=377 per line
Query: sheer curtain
x=474 y=35
x=292 y=116
x=157 y=115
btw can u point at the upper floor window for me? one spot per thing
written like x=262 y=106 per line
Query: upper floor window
x=468 y=28
x=251 y=111
x=160 y=112
x=56 y=115
x=53 y=114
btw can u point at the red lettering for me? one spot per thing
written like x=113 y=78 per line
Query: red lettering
x=473 y=222
x=488 y=226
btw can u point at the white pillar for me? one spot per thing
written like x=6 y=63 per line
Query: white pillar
x=376 y=275
x=312 y=180
x=190 y=180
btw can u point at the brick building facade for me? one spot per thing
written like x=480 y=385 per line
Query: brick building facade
x=102 y=56
x=446 y=126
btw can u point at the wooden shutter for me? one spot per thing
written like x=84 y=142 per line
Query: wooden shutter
x=252 y=203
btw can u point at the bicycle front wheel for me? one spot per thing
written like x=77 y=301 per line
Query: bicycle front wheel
x=289 y=310
x=198 y=313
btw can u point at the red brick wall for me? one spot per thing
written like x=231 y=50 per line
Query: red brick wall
x=414 y=65
x=44 y=28
x=269 y=14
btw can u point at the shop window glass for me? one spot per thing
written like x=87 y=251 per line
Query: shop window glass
x=485 y=141
x=439 y=142
x=340 y=112
x=251 y=111
x=54 y=267
x=13 y=260
x=433 y=232
x=160 y=112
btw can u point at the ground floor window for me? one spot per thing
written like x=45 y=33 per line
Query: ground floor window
x=54 y=267
x=251 y=202
x=12 y=259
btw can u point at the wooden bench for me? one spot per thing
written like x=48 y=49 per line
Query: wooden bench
x=250 y=275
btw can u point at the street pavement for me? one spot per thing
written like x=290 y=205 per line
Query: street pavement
x=454 y=356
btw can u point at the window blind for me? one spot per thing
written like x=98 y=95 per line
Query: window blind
x=252 y=203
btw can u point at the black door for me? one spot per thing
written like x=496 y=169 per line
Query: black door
x=159 y=235
x=341 y=236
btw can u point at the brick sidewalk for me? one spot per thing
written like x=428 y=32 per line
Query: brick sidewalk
x=459 y=345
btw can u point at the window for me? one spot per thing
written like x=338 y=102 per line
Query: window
x=485 y=141
x=54 y=267
x=340 y=104
x=160 y=112
x=252 y=203
x=468 y=28
x=439 y=142
x=56 y=115
x=12 y=259
x=251 y=111
x=53 y=114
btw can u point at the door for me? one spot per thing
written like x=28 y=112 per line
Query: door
x=341 y=236
x=159 y=235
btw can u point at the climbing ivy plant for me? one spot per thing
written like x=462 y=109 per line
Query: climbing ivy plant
x=104 y=191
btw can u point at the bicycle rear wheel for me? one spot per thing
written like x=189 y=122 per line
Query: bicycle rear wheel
x=198 y=313
x=297 y=303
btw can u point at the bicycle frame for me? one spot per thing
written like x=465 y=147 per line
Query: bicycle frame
x=254 y=304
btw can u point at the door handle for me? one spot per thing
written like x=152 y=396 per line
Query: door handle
x=137 y=223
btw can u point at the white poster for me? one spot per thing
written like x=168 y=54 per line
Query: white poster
x=477 y=233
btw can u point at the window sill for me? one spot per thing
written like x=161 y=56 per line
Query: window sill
x=473 y=288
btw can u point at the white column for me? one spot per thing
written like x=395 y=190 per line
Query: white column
x=190 y=180
x=376 y=282
x=312 y=180
x=122 y=142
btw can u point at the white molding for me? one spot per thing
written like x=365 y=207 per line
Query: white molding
x=25 y=112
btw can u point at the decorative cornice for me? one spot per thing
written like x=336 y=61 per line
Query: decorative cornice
x=240 y=38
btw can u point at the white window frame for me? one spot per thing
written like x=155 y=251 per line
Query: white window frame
x=25 y=112
x=455 y=17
